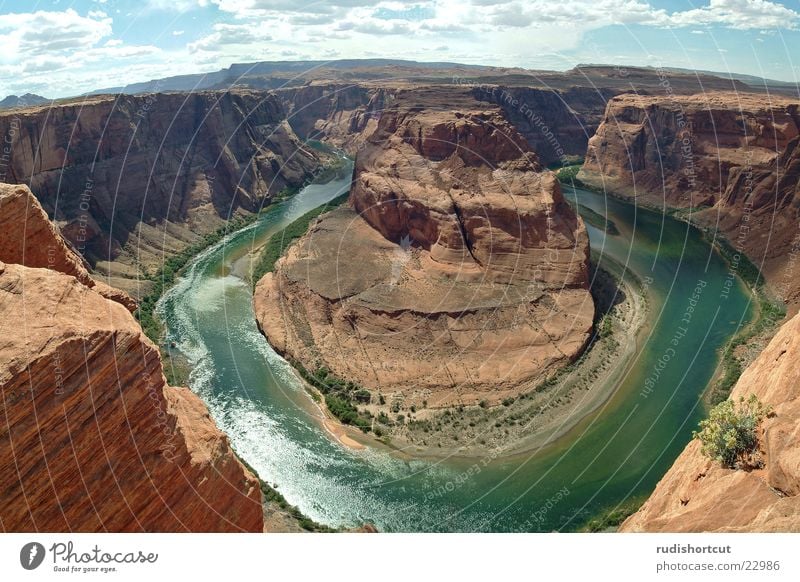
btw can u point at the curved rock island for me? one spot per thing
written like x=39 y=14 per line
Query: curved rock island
x=456 y=274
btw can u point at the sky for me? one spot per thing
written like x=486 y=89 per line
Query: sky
x=59 y=48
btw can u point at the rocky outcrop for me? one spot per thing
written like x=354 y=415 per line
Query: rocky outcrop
x=556 y=112
x=732 y=157
x=457 y=274
x=29 y=238
x=132 y=178
x=556 y=124
x=344 y=115
x=93 y=438
x=699 y=495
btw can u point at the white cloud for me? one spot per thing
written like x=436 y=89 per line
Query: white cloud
x=250 y=8
x=40 y=33
x=173 y=5
x=230 y=34
x=80 y=49
x=516 y=30
x=739 y=14
x=70 y=48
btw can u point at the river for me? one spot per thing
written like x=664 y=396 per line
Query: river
x=616 y=453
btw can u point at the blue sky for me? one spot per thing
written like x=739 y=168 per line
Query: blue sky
x=63 y=47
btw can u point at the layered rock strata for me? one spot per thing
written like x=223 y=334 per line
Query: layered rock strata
x=93 y=438
x=29 y=238
x=132 y=179
x=734 y=158
x=456 y=274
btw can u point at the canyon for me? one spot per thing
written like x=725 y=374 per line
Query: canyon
x=556 y=112
x=457 y=274
x=132 y=180
x=731 y=160
x=698 y=495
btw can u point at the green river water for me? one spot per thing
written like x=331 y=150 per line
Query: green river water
x=616 y=453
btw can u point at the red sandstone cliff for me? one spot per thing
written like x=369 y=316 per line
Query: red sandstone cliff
x=132 y=178
x=734 y=157
x=457 y=274
x=344 y=115
x=93 y=439
x=699 y=495
x=29 y=238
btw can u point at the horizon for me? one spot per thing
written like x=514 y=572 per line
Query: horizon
x=678 y=70
x=59 y=51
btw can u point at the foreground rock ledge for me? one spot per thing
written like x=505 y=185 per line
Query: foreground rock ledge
x=456 y=274
x=93 y=439
x=697 y=495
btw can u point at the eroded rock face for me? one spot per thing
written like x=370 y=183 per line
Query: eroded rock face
x=698 y=495
x=130 y=178
x=556 y=123
x=457 y=274
x=733 y=157
x=344 y=115
x=93 y=439
x=29 y=238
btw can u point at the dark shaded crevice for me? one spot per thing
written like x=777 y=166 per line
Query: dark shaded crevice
x=463 y=229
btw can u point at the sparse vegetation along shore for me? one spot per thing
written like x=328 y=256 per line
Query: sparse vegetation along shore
x=280 y=241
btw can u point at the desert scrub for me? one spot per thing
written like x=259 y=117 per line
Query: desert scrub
x=340 y=396
x=568 y=174
x=729 y=434
x=770 y=313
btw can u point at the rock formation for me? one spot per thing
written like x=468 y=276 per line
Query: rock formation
x=29 y=238
x=93 y=439
x=456 y=274
x=556 y=124
x=697 y=494
x=732 y=157
x=344 y=115
x=557 y=112
x=131 y=179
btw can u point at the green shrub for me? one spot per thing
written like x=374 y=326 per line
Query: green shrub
x=569 y=173
x=345 y=411
x=362 y=395
x=729 y=434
